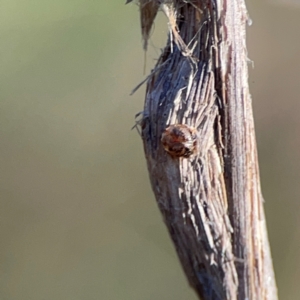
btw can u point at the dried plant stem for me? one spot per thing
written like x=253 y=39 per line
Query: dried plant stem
x=211 y=201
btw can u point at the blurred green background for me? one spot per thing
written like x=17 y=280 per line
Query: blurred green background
x=78 y=218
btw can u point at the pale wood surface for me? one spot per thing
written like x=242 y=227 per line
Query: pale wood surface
x=211 y=201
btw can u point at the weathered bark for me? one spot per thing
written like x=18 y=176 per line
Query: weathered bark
x=211 y=201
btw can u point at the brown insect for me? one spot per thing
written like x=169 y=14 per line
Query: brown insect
x=180 y=140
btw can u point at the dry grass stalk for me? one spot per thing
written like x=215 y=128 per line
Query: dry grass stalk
x=211 y=201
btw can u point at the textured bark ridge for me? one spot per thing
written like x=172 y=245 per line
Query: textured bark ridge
x=210 y=200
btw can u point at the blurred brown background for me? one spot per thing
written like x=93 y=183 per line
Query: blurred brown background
x=78 y=218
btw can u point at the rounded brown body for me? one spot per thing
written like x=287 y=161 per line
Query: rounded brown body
x=180 y=140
